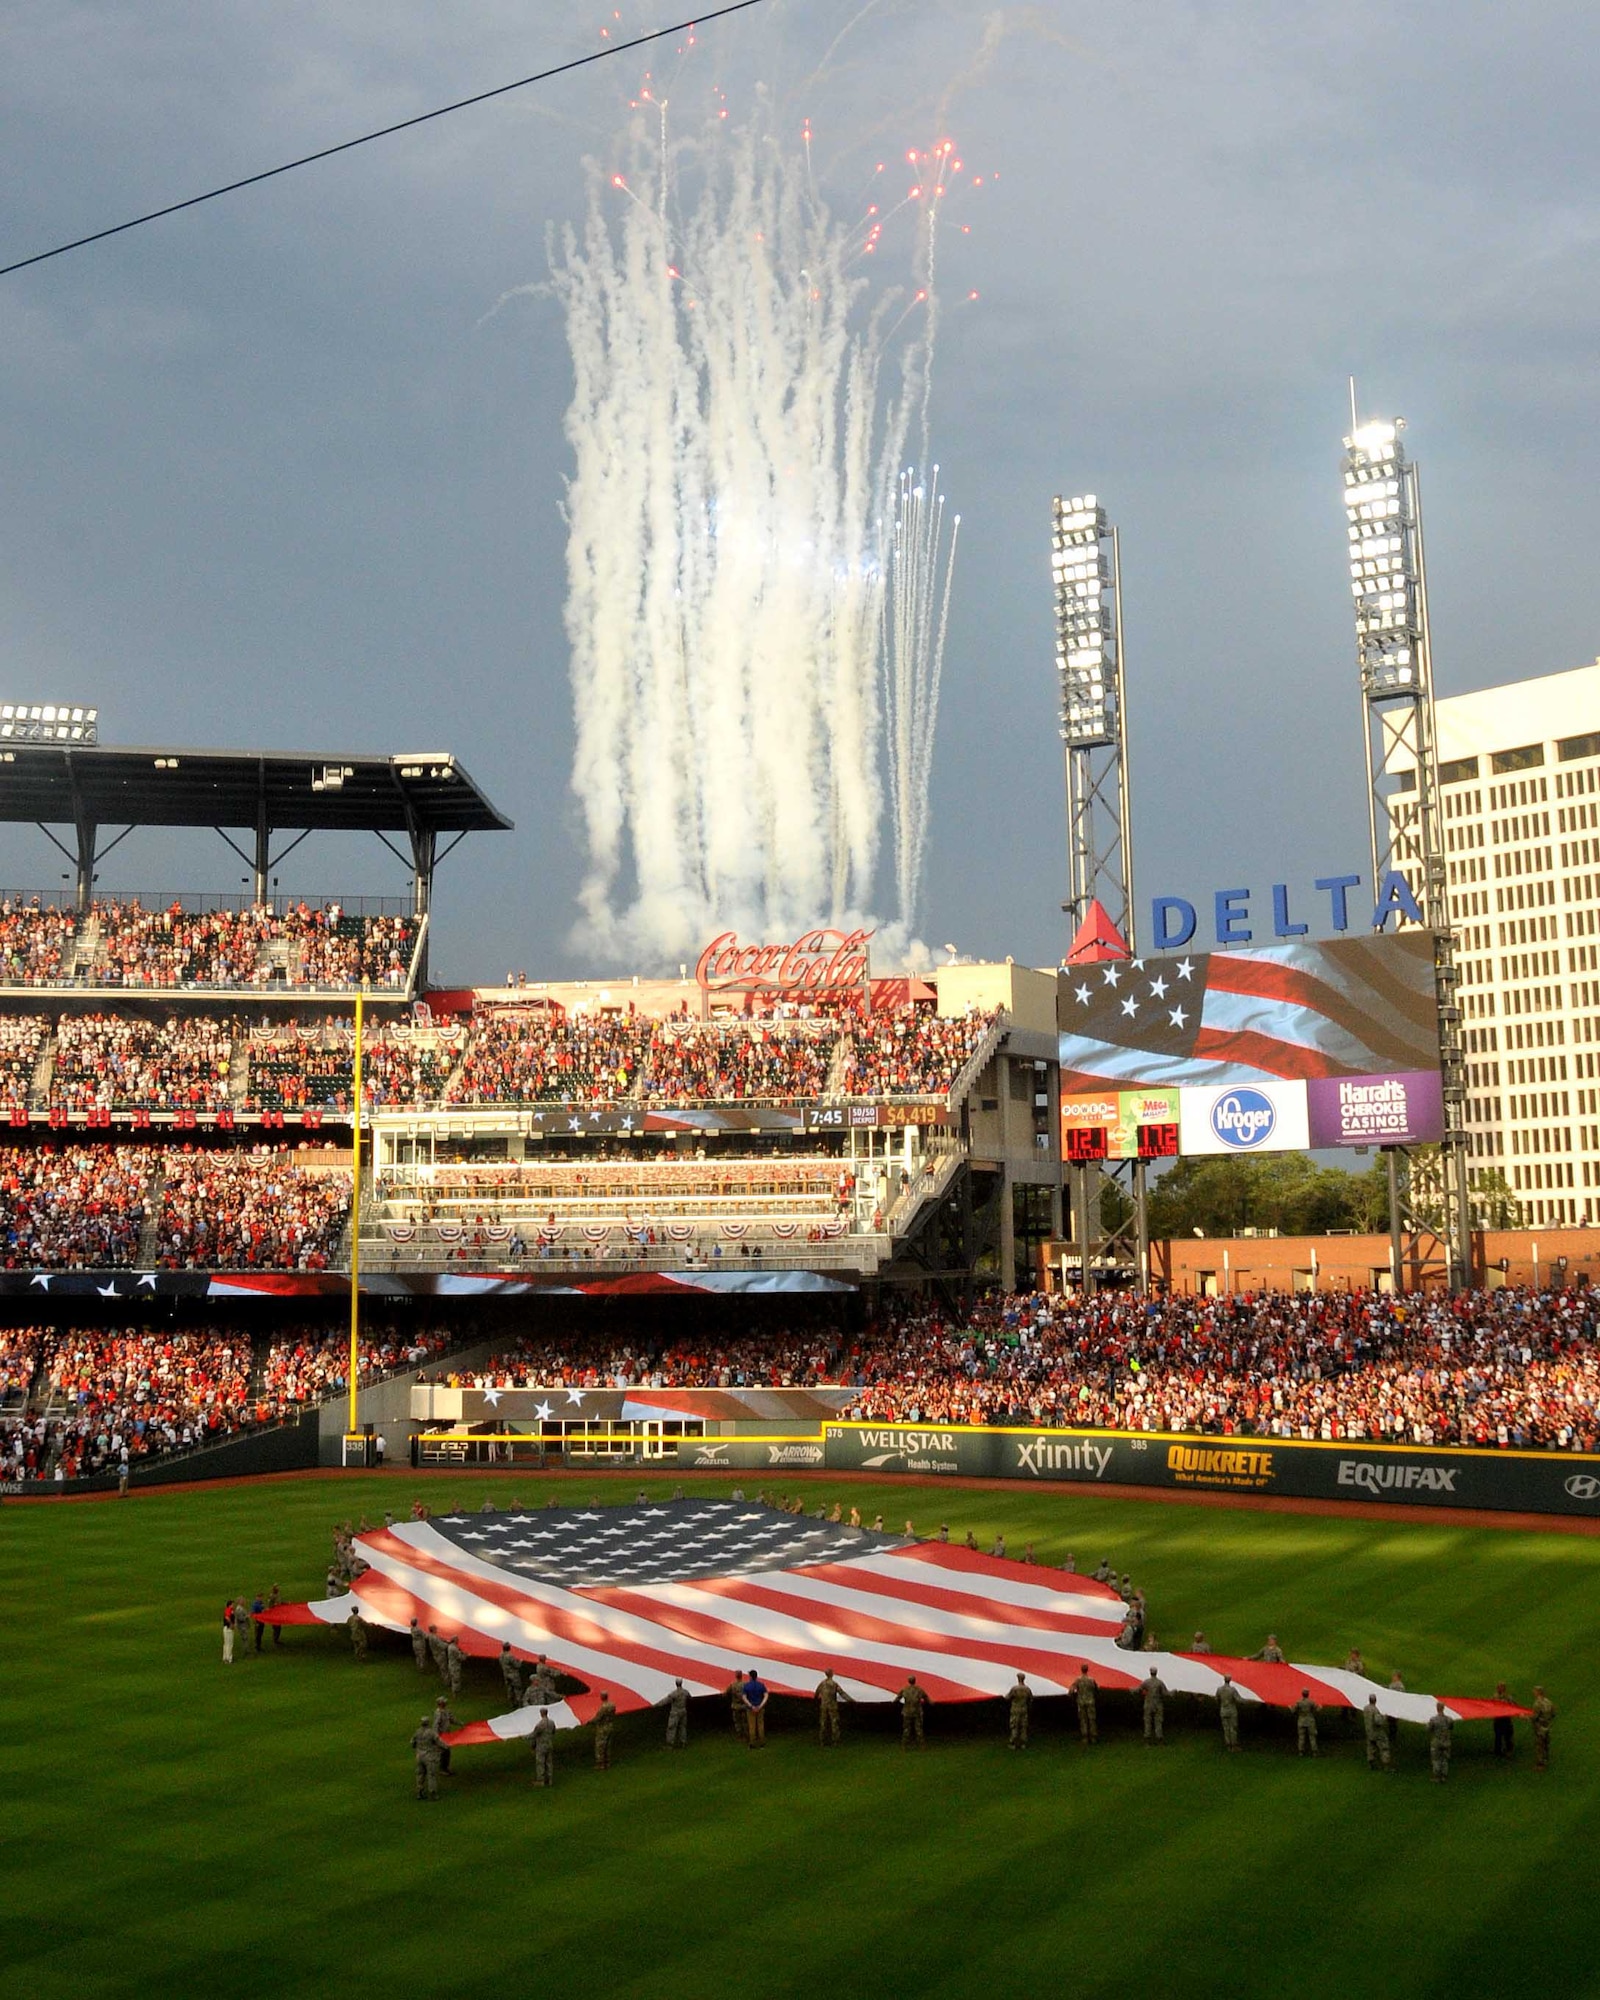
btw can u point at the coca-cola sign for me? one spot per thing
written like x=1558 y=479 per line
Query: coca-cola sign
x=818 y=965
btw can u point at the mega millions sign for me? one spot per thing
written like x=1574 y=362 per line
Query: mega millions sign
x=1252 y=1051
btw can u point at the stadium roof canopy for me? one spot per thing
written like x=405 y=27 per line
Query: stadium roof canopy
x=418 y=795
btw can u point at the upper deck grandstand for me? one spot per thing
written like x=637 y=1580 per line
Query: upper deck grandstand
x=149 y=1045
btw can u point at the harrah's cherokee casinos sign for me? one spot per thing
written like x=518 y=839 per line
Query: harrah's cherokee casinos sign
x=817 y=964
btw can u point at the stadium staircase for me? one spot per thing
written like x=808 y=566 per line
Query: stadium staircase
x=978 y=1061
x=85 y=950
x=834 y=1086
x=942 y=1160
x=239 y=1071
x=43 y=1072
x=150 y=1231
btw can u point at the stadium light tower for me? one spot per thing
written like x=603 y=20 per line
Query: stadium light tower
x=1087 y=573
x=1086 y=568
x=1389 y=587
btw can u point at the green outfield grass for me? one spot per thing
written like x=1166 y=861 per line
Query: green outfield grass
x=174 y=1827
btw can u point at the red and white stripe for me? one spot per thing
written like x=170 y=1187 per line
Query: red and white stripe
x=964 y=1624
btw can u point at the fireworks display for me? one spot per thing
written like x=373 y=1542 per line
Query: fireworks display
x=757 y=588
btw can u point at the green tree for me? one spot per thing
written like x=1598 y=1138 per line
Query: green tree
x=1493 y=1204
x=1289 y=1192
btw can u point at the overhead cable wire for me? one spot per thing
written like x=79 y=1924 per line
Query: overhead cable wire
x=383 y=132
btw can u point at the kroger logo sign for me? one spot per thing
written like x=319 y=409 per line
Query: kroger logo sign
x=1243 y=1118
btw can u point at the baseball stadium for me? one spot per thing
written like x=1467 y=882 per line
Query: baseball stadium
x=766 y=1457
x=625 y=1376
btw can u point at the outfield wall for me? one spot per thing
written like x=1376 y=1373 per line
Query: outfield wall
x=1540 y=1482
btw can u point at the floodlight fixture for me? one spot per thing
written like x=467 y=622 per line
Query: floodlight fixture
x=48 y=722
x=1083 y=568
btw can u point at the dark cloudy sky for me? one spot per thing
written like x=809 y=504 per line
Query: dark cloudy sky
x=277 y=473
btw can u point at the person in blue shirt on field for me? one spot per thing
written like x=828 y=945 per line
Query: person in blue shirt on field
x=755 y=1702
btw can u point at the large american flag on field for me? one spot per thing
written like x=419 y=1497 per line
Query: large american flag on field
x=1355 y=1007
x=627 y=1599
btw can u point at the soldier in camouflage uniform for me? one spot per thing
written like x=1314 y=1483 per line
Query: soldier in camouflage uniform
x=544 y=1749
x=419 y=1646
x=1018 y=1702
x=439 y=1653
x=1085 y=1690
x=1439 y=1731
x=1544 y=1713
x=1376 y=1727
x=912 y=1701
x=604 y=1720
x=453 y=1662
x=1154 y=1690
x=443 y=1720
x=425 y=1744
x=737 y=1712
x=1228 y=1712
x=510 y=1673
x=1305 y=1725
x=542 y=1684
x=829 y=1696
x=676 y=1702
x=1271 y=1652
x=356 y=1626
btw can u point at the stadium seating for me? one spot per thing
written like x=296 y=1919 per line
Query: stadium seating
x=103 y=1060
x=237 y=1210
x=35 y=943
x=298 y=1066
x=22 y=1040
x=1509 y=1370
x=72 y=1207
x=532 y=1055
x=134 y=1394
x=127 y=946
x=664 y=1210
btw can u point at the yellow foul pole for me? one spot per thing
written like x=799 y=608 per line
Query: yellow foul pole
x=355 y=1225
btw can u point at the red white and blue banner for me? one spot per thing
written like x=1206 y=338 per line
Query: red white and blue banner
x=628 y=1599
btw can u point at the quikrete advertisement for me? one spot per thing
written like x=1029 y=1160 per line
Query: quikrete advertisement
x=1420 y=1475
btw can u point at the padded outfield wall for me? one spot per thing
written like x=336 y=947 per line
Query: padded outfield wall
x=1542 y=1482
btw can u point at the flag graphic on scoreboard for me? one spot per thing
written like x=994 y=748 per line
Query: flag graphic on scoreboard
x=628 y=1599
x=1357 y=1006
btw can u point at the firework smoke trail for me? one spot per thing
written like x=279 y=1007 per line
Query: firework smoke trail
x=739 y=415
x=916 y=618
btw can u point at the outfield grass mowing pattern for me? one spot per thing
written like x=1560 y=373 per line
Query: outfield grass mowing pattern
x=180 y=1827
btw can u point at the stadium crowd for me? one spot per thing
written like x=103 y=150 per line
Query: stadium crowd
x=72 y=1207
x=307 y=1366
x=912 y=1052
x=179 y=947
x=249 y=1210
x=128 y=1396
x=532 y=1055
x=176 y=1065
x=22 y=1036
x=1508 y=1369
x=297 y=1068
x=124 y=944
x=34 y=942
